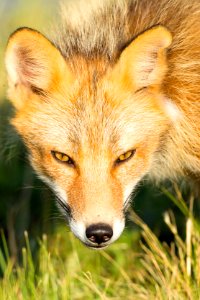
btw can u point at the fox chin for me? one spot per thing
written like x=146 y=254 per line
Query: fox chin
x=111 y=98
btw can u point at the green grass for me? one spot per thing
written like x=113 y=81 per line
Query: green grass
x=138 y=266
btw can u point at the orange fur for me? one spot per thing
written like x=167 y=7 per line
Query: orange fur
x=140 y=91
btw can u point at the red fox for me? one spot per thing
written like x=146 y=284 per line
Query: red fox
x=113 y=98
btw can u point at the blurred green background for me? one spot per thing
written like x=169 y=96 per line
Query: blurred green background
x=25 y=202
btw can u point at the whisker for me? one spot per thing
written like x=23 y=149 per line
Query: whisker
x=65 y=207
x=127 y=204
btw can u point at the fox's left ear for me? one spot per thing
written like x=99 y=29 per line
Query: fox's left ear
x=143 y=62
x=33 y=62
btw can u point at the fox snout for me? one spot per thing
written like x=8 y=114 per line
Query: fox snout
x=96 y=223
x=97 y=235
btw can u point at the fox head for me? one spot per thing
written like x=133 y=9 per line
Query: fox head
x=92 y=128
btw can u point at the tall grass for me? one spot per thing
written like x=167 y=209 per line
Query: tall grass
x=138 y=266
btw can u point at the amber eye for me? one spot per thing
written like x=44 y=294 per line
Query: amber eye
x=125 y=156
x=62 y=157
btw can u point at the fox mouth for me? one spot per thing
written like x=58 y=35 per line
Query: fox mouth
x=96 y=247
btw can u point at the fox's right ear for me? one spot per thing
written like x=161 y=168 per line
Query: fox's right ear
x=143 y=62
x=33 y=62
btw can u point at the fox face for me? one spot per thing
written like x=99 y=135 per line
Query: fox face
x=92 y=129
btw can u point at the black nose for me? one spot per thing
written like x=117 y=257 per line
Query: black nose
x=99 y=233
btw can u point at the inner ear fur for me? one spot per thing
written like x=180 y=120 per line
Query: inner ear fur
x=33 y=61
x=143 y=62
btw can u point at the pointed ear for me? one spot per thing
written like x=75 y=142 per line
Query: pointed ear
x=143 y=62
x=34 y=62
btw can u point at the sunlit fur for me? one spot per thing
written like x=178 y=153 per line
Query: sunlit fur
x=113 y=86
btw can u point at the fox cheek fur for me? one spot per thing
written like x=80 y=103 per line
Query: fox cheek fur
x=124 y=86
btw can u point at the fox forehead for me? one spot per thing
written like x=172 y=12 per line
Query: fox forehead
x=86 y=117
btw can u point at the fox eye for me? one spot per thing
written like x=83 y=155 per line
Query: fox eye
x=62 y=157
x=125 y=156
